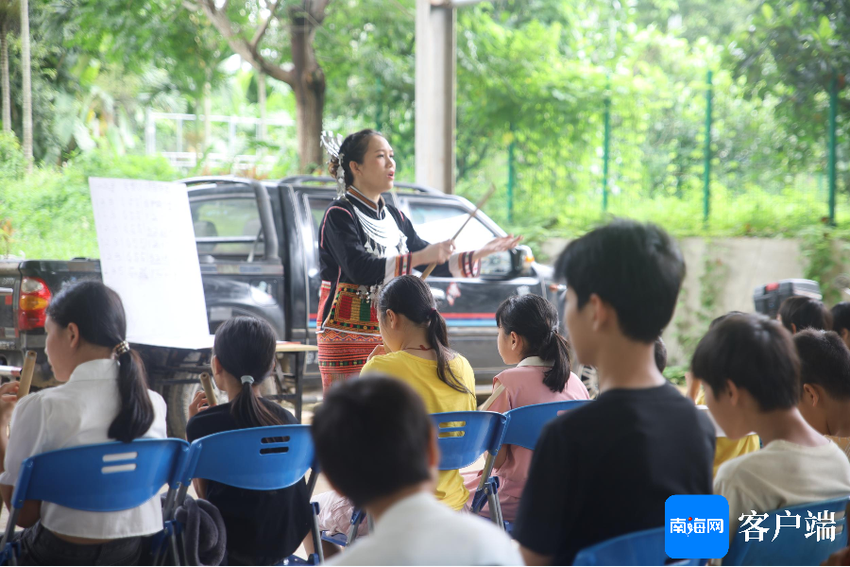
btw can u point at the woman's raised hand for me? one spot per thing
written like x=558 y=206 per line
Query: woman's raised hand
x=438 y=253
x=499 y=244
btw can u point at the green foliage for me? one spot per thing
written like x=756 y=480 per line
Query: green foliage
x=51 y=208
x=12 y=163
x=826 y=251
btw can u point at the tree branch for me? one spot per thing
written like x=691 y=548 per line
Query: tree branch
x=241 y=47
x=262 y=31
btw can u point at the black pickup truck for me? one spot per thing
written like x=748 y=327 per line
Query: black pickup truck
x=258 y=253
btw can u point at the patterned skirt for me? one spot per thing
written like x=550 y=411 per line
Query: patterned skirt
x=342 y=354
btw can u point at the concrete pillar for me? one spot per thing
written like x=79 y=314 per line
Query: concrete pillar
x=435 y=95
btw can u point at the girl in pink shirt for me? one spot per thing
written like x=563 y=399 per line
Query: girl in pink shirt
x=529 y=338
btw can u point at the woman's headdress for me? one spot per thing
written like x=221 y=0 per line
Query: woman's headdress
x=332 y=143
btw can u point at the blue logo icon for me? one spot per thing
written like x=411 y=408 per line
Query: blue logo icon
x=697 y=526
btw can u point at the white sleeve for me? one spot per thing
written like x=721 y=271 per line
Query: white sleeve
x=27 y=436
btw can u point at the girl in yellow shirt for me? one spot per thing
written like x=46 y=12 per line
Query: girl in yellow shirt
x=415 y=350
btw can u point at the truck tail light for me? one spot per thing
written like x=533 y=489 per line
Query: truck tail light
x=32 y=307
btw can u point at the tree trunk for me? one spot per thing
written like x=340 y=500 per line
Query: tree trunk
x=4 y=70
x=261 y=102
x=309 y=87
x=207 y=113
x=26 y=72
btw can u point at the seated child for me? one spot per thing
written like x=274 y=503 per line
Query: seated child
x=825 y=379
x=727 y=449
x=263 y=527
x=641 y=441
x=841 y=321
x=377 y=446
x=798 y=313
x=103 y=397
x=751 y=373
x=415 y=351
x=528 y=338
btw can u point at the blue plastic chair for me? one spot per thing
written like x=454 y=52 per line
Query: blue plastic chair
x=259 y=458
x=108 y=477
x=639 y=548
x=463 y=436
x=791 y=546
x=523 y=428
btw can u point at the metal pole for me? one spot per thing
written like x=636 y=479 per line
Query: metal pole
x=706 y=192
x=511 y=174
x=606 y=149
x=833 y=109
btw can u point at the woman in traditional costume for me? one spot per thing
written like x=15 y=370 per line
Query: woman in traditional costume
x=365 y=242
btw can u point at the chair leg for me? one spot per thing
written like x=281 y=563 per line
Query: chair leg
x=317 y=535
x=495 y=507
x=174 y=549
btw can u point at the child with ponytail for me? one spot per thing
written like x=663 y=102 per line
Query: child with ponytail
x=415 y=350
x=528 y=338
x=103 y=397
x=263 y=527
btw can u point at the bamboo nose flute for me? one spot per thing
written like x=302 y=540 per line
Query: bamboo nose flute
x=480 y=204
x=26 y=374
x=206 y=382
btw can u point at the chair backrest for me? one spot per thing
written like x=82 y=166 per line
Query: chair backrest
x=791 y=546
x=107 y=477
x=463 y=436
x=526 y=423
x=259 y=458
x=639 y=548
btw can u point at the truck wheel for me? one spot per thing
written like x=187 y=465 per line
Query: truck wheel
x=178 y=397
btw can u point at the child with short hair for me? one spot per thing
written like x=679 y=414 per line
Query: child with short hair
x=726 y=448
x=377 y=446
x=798 y=313
x=641 y=441
x=751 y=373
x=841 y=320
x=825 y=379
x=263 y=526
x=528 y=338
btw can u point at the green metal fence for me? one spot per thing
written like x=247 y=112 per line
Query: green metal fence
x=693 y=158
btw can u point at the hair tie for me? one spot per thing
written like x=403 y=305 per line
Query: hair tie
x=247 y=379
x=121 y=348
x=432 y=312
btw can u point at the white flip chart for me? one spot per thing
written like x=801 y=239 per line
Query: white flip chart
x=148 y=255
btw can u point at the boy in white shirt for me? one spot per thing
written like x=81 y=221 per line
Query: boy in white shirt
x=378 y=447
x=750 y=371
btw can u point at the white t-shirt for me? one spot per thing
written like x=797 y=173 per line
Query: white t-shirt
x=80 y=413
x=781 y=474
x=420 y=531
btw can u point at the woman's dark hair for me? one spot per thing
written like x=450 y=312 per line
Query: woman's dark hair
x=841 y=316
x=409 y=296
x=536 y=321
x=805 y=313
x=245 y=346
x=99 y=315
x=755 y=353
x=353 y=148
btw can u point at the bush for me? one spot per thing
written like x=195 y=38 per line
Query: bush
x=51 y=210
x=12 y=162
